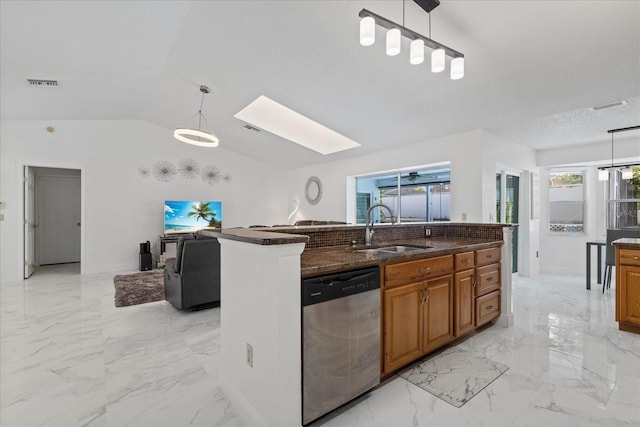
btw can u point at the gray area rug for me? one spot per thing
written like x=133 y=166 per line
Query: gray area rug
x=139 y=288
x=454 y=375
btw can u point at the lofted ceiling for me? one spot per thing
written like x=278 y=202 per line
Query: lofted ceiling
x=532 y=68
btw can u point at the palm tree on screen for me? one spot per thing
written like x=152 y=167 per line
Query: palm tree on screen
x=201 y=210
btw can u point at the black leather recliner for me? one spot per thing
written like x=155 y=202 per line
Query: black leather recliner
x=192 y=278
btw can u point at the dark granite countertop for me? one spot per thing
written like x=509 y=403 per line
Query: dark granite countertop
x=627 y=241
x=256 y=237
x=318 y=261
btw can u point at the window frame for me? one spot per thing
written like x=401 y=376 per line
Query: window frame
x=567 y=171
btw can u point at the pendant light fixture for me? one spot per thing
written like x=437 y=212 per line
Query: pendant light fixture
x=627 y=170
x=198 y=136
x=418 y=41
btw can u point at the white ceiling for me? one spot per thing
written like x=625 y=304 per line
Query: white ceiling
x=532 y=68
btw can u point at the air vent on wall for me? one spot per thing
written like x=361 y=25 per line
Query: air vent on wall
x=251 y=128
x=609 y=105
x=42 y=83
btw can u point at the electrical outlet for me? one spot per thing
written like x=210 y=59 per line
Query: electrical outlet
x=464 y=216
x=250 y=355
x=427 y=232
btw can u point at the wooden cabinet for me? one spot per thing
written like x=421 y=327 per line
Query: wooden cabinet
x=464 y=302
x=418 y=306
x=429 y=302
x=487 y=308
x=437 y=313
x=402 y=325
x=628 y=287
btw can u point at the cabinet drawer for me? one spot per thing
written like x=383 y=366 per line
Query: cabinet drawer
x=487 y=307
x=464 y=261
x=487 y=279
x=487 y=256
x=406 y=272
x=629 y=257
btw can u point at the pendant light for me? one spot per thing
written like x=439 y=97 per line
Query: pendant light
x=416 y=52
x=197 y=136
x=626 y=169
x=457 y=68
x=393 y=42
x=367 y=31
x=627 y=173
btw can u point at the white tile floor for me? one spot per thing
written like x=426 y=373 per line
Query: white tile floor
x=68 y=358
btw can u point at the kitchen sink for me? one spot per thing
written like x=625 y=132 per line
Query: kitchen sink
x=397 y=249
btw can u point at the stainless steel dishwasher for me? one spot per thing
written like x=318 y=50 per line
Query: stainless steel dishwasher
x=340 y=339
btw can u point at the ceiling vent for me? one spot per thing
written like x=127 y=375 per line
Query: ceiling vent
x=609 y=105
x=42 y=83
x=251 y=128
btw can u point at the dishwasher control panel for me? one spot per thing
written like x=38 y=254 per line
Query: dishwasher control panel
x=325 y=288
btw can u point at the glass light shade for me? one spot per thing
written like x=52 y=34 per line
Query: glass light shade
x=603 y=175
x=457 y=68
x=393 y=42
x=367 y=31
x=437 y=60
x=627 y=173
x=416 y=52
x=196 y=137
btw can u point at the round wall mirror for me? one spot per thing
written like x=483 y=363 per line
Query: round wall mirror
x=313 y=190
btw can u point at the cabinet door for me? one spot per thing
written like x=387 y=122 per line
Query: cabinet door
x=630 y=294
x=402 y=325
x=464 y=303
x=437 y=327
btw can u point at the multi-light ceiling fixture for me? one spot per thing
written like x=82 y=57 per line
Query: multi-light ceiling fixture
x=625 y=169
x=197 y=136
x=418 y=41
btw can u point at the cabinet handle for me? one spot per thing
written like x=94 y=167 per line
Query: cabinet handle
x=490 y=278
x=635 y=257
x=489 y=307
x=474 y=281
x=489 y=256
x=466 y=261
x=425 y=269
x=426 y=299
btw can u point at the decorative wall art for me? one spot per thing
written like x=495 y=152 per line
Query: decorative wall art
x=166 y=171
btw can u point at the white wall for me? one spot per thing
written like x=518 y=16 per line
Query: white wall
x=121 y=208
x=565 y=254
x=465 y=148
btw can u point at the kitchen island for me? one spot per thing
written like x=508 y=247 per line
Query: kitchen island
x=260 y=366
x=628 y=284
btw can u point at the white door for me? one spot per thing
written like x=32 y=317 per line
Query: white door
x=29 y=221
x=58 y=213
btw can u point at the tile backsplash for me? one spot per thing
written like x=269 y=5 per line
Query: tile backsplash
x=345 y=235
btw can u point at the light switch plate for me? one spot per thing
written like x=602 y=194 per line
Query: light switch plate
x=2 y=204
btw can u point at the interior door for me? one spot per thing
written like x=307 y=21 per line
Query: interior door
x=507 y=207
x=29 y=221
x=58 y=213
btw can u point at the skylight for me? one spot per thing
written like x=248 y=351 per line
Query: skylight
x=267 y=114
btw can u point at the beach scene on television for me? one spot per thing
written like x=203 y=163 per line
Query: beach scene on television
x=181 y=216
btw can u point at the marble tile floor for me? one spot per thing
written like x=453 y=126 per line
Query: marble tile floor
x=69 y=358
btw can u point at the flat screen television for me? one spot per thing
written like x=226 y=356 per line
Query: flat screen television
x=185 y=216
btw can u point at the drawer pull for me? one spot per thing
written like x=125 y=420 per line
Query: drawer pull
x=490 y=278
x=635 y=257
x=466 y=261
x=489 y=307
x=489 y=256
x=425 y=269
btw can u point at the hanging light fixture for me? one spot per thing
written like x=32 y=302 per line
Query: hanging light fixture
x=416 y=52
x=418 y=41
x=393 y=42
x=367 y=31
x=627 y=170
x=197 y=136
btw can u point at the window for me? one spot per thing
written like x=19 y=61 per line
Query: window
x=566 y=201
x=623 y=201
x=420 y=195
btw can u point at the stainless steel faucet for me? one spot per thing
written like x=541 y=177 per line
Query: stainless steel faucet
x=368 y=233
